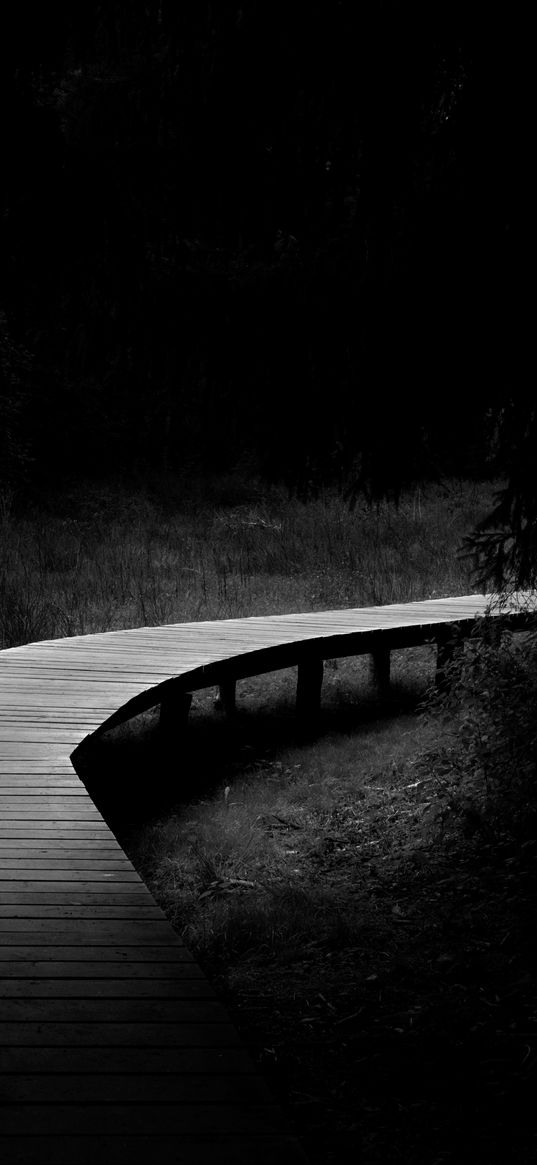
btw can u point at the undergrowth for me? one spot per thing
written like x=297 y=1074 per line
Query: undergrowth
x=237 y=870
x=365 y=905
x=485 y=776
x=107 y=558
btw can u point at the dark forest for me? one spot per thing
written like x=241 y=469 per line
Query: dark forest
x=280 y=237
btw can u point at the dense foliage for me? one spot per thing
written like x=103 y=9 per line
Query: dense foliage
x=504 y=544
x=240 y=233
x=485 y=774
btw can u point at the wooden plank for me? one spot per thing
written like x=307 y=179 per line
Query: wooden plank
x=34 y=798
x=47 y=794
x=48 y=841
x=46 y=716
x=73 y=895
x=148 y=1119
x=77 y=864
x=131 y=671
x=29 y=831
x=134 y=1034
x=58 y=848
x=88 y=931
x=17 y=699
x=104 y=964
x=51 y=789
x=32 y=776
x=87 y=859
x=241 y=1149
x=115 y=1011
x=70 y=809
x=41 y=815
x=116 y=953
x=109 y=1088
x=74 y=689
x=41 y=776
x=14 y=766
x=84 y=881
x=119 y=988
x=25 y=855
x=68 y=830
x=125 y=1059
x=49 y=783
x=82 y=843
x=75 y=816
x=72 y=841
x=118 y=689
x=27 y=734
x=82 y=885
x=72 y=874
x=20 y=749
x=81 y=911
x=62 y=815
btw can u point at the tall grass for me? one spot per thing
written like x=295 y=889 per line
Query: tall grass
x=111 y=558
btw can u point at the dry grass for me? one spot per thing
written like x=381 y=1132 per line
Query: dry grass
x=108 y=559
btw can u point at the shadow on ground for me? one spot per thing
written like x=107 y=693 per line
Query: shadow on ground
x=136 y=772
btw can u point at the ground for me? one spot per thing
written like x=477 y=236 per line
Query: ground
x=420 y=1044
x=373 y=941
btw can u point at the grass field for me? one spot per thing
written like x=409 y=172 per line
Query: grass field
x=108 y=558
x=360 y=901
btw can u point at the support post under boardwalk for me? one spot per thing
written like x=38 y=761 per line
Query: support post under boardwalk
x=448 y=643
x=308 y=691
x=226 y=698
x=380 y=660
x=174 y=715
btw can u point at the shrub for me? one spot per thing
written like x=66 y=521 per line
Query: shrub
x=485 y=776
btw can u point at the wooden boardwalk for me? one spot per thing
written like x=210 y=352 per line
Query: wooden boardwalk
x=113 y=1047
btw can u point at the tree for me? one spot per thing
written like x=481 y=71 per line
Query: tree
x=15 y=374
x=504 y=545
x=257 y=229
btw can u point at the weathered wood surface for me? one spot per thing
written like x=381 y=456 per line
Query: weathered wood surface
x=112 y=1044
x=81 y=683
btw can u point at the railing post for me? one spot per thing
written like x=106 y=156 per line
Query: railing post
x=308 y=691
x=380 y=667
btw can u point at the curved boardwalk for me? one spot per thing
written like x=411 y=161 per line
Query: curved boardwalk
x=113 y=1047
